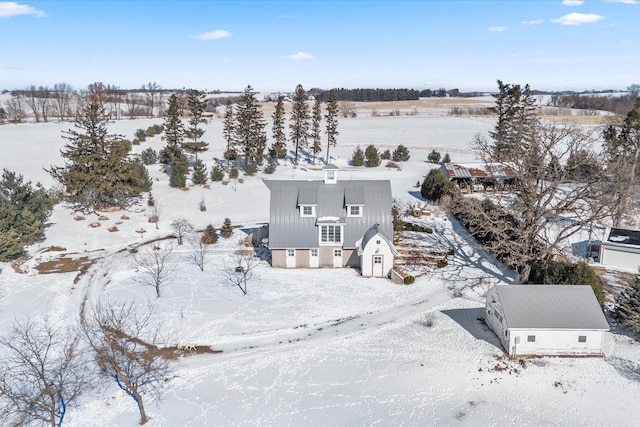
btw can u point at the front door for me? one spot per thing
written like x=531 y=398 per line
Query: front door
x=378 y=270
x=337 y=257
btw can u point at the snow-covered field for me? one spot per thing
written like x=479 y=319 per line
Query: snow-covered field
x=304 y=348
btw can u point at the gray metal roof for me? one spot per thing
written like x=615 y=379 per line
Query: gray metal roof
x=288 y=230
x=550 y=307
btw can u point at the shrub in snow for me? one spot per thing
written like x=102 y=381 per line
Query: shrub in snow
x=434 y=156
x=227 y=230
x=149 y=156
x=400 y=154
x=386 y=155
x=357 y=159
x=409 y=280
x=372 y=156
x=217 y=174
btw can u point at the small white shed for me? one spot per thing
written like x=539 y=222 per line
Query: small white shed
x=546 y=319
x=376 y=253
x=621 y=248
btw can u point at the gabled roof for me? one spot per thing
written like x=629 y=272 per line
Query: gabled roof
x=288 y=230
x=550 y=307
x=370 y=234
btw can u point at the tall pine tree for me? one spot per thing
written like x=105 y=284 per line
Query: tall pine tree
x=316 y=131
x=173 y=130
x=332 y=121
x=229 y=132
x=249 y=129
x=279 y=147
x=299 y=121
x=196 y=103
x=98 y=173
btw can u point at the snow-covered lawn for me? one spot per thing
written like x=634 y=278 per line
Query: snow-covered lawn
x=307 y=347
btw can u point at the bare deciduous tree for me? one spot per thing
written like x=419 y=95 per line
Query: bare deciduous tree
x=125 y=347
x=200 y=250
x=155 y=266
x=347 y=108
x=133 y=103
x=62 y=94
x=245 y=261
x=15 y=109
x=181 y=227
x=41 y=375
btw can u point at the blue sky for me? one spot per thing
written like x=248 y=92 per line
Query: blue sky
x=552 y=45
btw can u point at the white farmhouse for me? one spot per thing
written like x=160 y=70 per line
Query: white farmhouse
x=621 y=248
x=331 y=223
x=546 y=319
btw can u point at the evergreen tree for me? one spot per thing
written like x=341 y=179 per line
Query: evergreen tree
x=517 y=118
x=173 y=133
x=316 y=132
x=149 y=156
x=357 y=158
x=229 y=132
x=400 y=154
x=372 y=156
x=386 y=155
x=178 y=177
x=435 y=185
x=217 y=173
x=622 y=151
x=299 y=121
x=23 y=212
x=227 y=229
x=98 y=173
x=196 y=102
x=627 y=310
x=199 y=175
x=249 y=128
x=332 y=121
x=446 y=158
x=210 y=235
x=434 y=156
x=279 y=147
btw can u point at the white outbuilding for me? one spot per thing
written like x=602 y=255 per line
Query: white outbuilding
x=621 y=248
x=376 y=253
x=560 y=320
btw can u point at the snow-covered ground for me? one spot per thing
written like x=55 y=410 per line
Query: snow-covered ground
x=304 y=348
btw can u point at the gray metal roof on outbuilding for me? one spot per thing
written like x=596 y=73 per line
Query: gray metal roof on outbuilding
x=550 y=307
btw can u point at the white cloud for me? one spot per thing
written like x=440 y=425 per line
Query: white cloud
x=9 y=9
x=497 y=29
x=572 y=2
x=578 y=19
x=214 y=35
x=532 y=22
x=622 y=1
x=300 y=55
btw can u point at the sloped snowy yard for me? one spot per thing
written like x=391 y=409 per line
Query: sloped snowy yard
x=308 y=347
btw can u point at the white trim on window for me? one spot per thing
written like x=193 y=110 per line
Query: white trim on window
x=354 y=211
x=313 y=252
x=307 y=211
x=330 y=234
x=291 y=253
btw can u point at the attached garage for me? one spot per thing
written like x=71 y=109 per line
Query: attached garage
x=559 y=320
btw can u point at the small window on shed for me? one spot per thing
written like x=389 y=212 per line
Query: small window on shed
x=531 y=338
x=582 y=338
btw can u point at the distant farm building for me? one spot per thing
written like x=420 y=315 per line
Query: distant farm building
x=559 y=320
x=471 y=177
x=621 y=248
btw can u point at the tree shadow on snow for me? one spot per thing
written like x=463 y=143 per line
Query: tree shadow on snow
x=472 y=320
x=626 y=368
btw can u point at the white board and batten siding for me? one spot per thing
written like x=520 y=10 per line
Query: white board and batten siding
x=376 y=254
x=546 y=320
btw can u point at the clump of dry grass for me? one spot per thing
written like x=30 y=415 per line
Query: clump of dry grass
x=103 y=218
x=113 y=229
x=95 y=225
x=79 y=218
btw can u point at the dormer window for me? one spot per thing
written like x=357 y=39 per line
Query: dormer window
x=354 y=211
x=308 y=211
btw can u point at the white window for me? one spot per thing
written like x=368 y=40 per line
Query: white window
x=531 y=338
x=291 y=253
x=337 y=253
x=354 y=211
x=582 y=338
x=313 y=252
x=307 y=211
x=330 y=234
x=377 y=259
